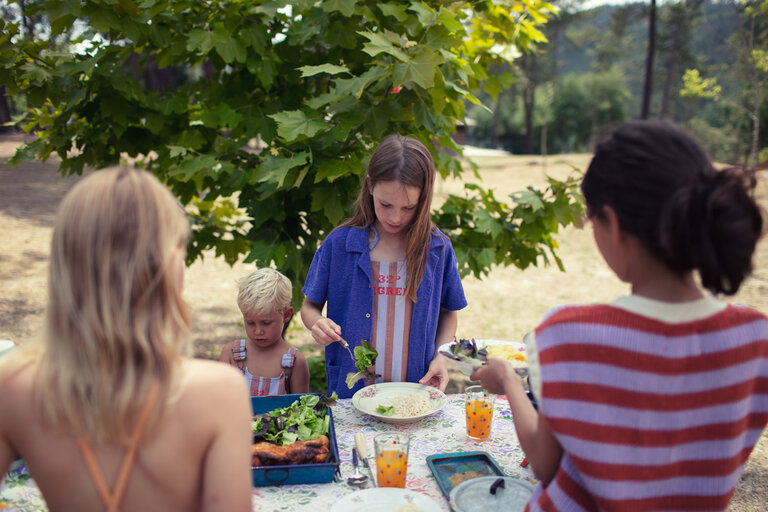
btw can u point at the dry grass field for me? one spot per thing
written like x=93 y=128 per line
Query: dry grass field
x=505 y=305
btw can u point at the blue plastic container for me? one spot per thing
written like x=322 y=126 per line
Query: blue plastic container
x=295 y=473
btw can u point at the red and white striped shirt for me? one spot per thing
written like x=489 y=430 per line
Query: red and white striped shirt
x=651 y=414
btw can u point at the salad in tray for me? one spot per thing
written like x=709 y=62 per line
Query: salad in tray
x=297 y=434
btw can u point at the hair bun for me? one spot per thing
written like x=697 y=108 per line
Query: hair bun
x=713 y=225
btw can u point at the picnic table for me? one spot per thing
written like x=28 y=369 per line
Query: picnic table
x=441 y=432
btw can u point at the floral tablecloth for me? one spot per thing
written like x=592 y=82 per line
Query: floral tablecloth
x=442 y=432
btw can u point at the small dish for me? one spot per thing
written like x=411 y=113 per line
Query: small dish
x=491 y=493
x=370 y=397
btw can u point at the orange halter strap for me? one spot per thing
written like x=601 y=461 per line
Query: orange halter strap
x=112 y=499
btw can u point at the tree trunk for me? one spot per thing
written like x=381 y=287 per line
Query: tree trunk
x=670 y=74
x=648 y=85
x=755 y=126
x=529 y=97
x=495 y=125
x=5 y=111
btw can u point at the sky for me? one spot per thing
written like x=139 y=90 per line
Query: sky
x=589 y=4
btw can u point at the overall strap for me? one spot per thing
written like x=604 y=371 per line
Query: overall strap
x=289 y=358
x=239 y=354
x=112 y=499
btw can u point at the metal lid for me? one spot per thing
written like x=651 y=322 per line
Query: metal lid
x=483 y=493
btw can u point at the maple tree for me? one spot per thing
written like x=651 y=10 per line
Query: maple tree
x=274 y=107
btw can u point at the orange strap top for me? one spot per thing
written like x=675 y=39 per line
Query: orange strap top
x=112 y=499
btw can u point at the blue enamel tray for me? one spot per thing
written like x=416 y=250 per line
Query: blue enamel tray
x=296 y=473
x=446 y=465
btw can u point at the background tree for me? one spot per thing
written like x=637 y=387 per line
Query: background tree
x=645 y=109
x=266 y=130
x=677 y=23
x=749 y=43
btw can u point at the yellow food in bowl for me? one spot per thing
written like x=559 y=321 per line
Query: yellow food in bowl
x=511 y=353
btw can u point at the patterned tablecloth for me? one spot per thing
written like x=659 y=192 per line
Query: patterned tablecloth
x=442 y=432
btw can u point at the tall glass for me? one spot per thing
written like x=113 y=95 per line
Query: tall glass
x=391 y=459
x=478 y=404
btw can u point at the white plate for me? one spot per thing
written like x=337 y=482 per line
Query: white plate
x=468 y=368
x=384 y=499
x=6 y=346
x=370 y=397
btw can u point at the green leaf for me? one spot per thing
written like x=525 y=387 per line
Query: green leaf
x=231 y=250
x=326 y=199
x=379 y=44
x=447 y=19
x=331 y=169
x=230 y=48
x=395 y=10
x=426 y=14
x=331 y=69
x=275 y=168
x=294 y=124
x=345 y=7
x=485 y=222
x=421 y=70
x=265 y=70
x=529 y=198
x=177 y=151
x=192 y=166
x=200 y=40
x=255 y=36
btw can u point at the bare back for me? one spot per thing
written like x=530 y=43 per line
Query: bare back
x=197 y=459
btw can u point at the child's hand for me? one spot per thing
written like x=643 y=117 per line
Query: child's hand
x=495 y=375
x=325 y=331
x=437 y=374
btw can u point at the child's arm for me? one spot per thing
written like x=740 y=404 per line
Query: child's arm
x=7 y=453
x=300 y=374
x=226 y=354
x=536 y=438
x=437 y=374
x=324 y=330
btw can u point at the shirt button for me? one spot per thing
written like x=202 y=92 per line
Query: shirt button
x=367 y=315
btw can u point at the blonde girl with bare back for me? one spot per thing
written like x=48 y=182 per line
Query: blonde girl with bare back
x=270 y=365
x=106 y=408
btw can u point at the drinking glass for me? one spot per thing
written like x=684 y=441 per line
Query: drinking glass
x=391 y=459
x=478 y=404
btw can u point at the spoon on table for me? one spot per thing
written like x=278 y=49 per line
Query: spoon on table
x=357 y=479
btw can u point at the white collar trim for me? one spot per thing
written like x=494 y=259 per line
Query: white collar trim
x=671 y=312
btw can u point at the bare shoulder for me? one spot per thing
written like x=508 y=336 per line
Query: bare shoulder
x=213 y=387
x=17 y=383
x=205 y=372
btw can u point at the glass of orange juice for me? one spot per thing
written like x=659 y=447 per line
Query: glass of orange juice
x=478 y=404
x=391 y=459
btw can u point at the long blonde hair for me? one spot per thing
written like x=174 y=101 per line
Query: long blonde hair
x=116 y=322
x=409 y=162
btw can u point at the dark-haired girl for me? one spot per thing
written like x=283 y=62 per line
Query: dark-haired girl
x=387 y=275
x=655 y=400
